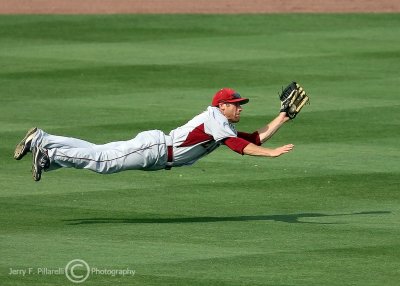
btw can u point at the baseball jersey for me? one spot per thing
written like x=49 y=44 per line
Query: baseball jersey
x=205 y=133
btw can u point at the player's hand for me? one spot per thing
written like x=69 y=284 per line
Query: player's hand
x=282 y=150
x=284 y=117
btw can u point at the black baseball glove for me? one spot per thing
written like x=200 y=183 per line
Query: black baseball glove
x=293 y=98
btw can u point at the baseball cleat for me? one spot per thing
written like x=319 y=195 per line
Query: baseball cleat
x=24 y=146
x=41 y=161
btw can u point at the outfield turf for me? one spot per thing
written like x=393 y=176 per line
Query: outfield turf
x=326 y=214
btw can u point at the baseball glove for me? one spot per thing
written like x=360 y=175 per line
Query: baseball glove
x=293 y=98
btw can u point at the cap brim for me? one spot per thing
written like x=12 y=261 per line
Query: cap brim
x=240 y=100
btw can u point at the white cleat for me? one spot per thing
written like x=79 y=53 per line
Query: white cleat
x=24 y=146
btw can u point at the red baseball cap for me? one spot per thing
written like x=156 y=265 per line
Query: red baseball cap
x=229 y=96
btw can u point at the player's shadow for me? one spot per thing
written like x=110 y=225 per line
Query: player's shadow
x=289 y=218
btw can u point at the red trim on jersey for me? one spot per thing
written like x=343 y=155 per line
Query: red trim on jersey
x=196 y=136
x=251 y=137
x=236 y=144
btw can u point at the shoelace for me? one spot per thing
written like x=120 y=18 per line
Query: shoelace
x=44 y=161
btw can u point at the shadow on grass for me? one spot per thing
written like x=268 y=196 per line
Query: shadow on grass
x=289 y=218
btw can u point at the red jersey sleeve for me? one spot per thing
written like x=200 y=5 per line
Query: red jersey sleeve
x=251 y=137
x=236 y=144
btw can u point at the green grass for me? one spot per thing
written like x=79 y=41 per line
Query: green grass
x=326 y=214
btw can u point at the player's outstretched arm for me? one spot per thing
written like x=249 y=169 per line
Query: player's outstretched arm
x=254 y=150
x=267 y=131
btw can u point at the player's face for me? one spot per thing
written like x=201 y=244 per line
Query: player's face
x=231 y=111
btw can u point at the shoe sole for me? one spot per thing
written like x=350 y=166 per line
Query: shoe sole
x=22 y=147
x=36 y=173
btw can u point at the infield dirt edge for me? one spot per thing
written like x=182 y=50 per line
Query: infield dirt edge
x=196 y=6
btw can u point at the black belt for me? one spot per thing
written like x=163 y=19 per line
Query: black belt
x=170 y=157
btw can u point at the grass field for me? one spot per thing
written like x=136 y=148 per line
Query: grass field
x=326 y=214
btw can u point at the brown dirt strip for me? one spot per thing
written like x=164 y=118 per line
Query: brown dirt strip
x=196 y=6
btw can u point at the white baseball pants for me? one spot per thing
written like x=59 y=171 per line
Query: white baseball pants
x=147 y=151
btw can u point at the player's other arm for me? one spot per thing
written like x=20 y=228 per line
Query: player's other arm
x=254 y=150
x=267 y=131
x=244 y=147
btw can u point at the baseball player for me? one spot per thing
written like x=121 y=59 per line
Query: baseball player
x=154 y=150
